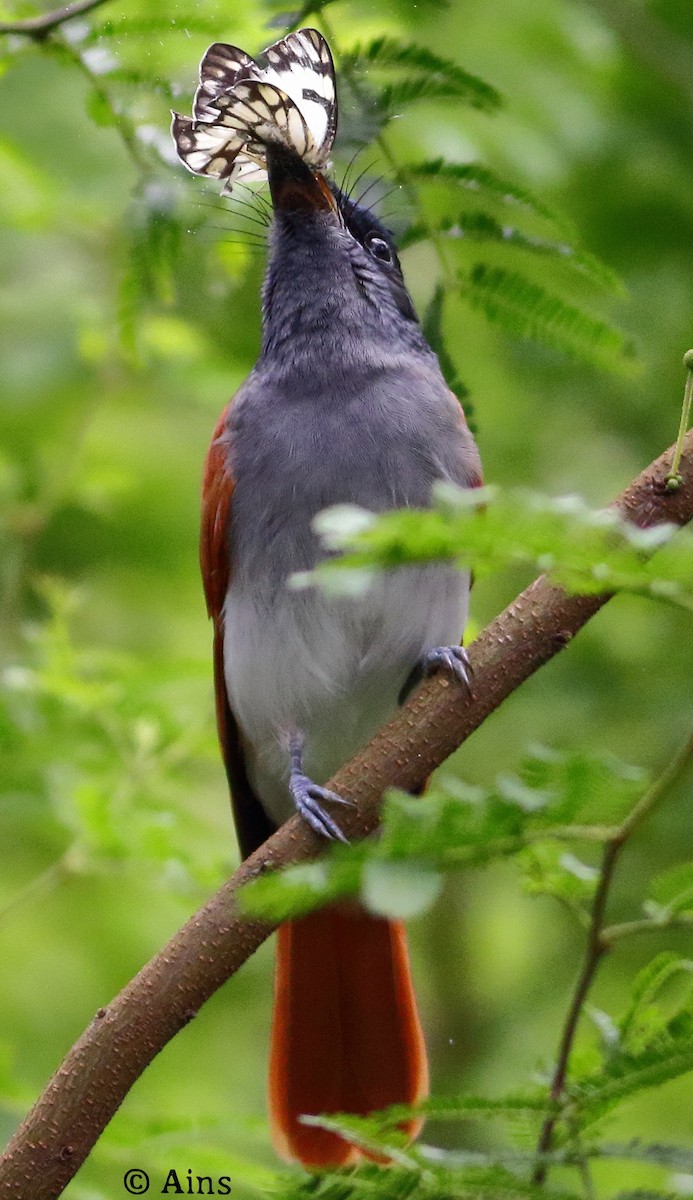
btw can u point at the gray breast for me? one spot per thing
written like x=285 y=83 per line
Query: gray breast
x=332 y=667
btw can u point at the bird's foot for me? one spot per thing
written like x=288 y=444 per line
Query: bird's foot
x=309 y=797
x=453 y=659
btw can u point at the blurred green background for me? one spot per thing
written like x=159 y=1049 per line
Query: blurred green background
x=129 y=312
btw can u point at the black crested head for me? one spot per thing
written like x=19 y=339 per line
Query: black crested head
x=333 y=271
x=378 y=243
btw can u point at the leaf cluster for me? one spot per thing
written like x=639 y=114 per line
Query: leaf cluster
x=532 y=277
x=111 y=753
x=554 y=800
x=489 y=529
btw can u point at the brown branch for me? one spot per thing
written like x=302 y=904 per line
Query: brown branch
x=123 y=1038
x=39 y=27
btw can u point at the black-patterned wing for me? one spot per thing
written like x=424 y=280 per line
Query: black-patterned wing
x=221 y=68
x=258 y=112
x=205 y=148
x=233 y=145
x=289 y=98
x=301 y=66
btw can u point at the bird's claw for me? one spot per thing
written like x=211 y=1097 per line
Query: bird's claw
x=309 y=798
x=453 y=659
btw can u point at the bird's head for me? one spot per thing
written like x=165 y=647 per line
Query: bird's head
x=333 y=271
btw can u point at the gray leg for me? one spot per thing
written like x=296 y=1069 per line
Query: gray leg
x=309 y=797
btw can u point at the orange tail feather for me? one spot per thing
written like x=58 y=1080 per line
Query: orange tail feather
x=346 y=1035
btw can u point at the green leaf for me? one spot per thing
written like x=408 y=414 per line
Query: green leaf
x=429 y=75
x=475 y=227
x=644 y=1022
x=625 y=1075
x=400 y=890
x=586 y=551
x=297 y=890
x=550 y=870
x=150 y=277
x=452 y=826
x=100 y=109
x=583 y=787
x=672 y=891
x=525 y=309
x=26 y=193
x=679 y=1158
x=461 y=1108
x=100 y=825
x=432 y=1182
x=475 y=178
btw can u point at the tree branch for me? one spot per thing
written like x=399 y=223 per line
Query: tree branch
x=123 y=1038
x=39 y=27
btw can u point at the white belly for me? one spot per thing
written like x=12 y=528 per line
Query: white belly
x=330 y=668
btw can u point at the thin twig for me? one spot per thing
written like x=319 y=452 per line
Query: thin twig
x=39 y=27
x=597 y=943
x=40 y=884
x=616 y=933
x=658 y=790
x=674 y=479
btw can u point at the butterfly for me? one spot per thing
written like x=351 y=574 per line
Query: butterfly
x=287 y=97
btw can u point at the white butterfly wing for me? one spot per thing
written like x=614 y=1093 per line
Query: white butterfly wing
x=260 y=113
x=245 y=170
x=301 y=66
x=254 y=114
x=240 y=106
x=221 y=68
x=205 y=148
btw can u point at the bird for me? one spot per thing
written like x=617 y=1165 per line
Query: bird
x=346 y=405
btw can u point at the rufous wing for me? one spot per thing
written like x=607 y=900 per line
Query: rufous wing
x=216 y=553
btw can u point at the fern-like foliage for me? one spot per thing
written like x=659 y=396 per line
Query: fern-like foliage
x=519 y=301
x=585 y=550
x=422 y=75
x=528 y=310
x=482 y=227
x=481 y=180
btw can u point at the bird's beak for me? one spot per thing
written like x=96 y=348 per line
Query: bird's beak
x=294 y=186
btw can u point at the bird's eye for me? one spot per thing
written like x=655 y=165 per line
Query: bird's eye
x=378 y=247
